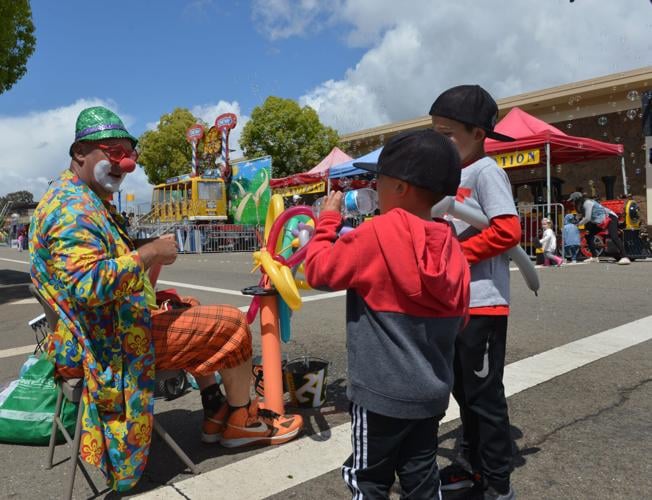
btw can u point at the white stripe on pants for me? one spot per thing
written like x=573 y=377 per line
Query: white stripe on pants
x=359 y=444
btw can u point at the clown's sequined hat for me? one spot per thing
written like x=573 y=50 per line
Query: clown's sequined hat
x=97 y=123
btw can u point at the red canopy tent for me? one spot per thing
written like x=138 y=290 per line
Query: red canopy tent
x=316 y=174
x=554 y=145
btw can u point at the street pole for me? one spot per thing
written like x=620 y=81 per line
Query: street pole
x=548 y=193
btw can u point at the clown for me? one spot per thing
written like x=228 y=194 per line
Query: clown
x=111 y=331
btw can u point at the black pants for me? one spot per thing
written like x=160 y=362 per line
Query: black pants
x=593 y=229
x=478 y=390
x=384 y=447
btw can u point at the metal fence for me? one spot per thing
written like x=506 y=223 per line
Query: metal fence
x=206 y=238
x=531 y=228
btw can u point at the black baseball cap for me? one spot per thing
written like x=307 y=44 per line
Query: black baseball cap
x=423 y=158
x=470 y=104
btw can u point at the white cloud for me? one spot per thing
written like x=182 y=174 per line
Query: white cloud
x=419 y=48
x=34 y=147
x=280 y=19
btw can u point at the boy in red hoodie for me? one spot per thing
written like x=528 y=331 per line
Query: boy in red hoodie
x=407 y=288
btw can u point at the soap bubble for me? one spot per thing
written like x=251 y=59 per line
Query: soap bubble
x=631 y=114
x=602 y=121
x=638 y=171
x=569 y=125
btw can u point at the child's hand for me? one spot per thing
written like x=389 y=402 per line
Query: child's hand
x=333 y=202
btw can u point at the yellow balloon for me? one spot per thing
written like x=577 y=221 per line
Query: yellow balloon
x=282 y=279
x=275 y=209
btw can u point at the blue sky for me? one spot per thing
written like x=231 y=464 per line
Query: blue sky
x=152 y=56
x=358 y=63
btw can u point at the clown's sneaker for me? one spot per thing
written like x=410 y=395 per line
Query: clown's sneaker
x=250 y=425
x=214 y=423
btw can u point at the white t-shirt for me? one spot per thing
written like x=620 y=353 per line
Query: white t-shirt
x=549 y=241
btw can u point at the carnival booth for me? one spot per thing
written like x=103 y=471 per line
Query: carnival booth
x=538 y=143
x=312 y=182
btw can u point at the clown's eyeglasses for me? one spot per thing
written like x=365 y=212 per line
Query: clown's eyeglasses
x=117 y=153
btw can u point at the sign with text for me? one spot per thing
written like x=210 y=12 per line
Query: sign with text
x=317 y=187
x=518 y=158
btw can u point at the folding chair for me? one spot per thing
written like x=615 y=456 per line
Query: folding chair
x=71 y=389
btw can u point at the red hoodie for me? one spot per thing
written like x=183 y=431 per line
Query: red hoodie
x=408 y=296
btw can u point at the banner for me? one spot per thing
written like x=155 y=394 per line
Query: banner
x=250 y=192
x=518 y=158
x=317 y=187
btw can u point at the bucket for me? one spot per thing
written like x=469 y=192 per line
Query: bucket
x=258 y=378
x=306 y=381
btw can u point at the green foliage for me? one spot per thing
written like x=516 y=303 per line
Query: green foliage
x=17 y=198
x=164 y=152
x=17 y=41
x=293 y=136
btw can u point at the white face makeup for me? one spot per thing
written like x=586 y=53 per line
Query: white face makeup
x=102 y=173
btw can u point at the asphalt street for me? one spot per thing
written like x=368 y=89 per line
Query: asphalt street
x=585 y=433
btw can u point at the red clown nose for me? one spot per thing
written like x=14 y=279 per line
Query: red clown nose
x=127 y=165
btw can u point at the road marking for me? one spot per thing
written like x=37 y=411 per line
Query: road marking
x=22 y=302
x=17 y=351
x=14 y=261
x=12 y=285
x=201 y=287
x=280 y=468
x=225 y=291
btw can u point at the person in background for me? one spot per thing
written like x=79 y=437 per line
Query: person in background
x=571 y=238
x=549 y=243
x=596 y=218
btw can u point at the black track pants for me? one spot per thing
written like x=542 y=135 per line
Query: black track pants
x=384 y=447
x=479 y=391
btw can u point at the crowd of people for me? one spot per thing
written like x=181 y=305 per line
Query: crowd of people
x=426 y=299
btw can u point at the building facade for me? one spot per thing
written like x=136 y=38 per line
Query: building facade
x=608 y=109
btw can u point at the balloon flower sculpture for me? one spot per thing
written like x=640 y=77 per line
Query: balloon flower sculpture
x=287 y=233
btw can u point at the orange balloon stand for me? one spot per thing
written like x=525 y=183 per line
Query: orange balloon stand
x=271 y=353
x=277 y=283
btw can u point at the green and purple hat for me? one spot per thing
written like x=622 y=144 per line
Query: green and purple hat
x=97 y=123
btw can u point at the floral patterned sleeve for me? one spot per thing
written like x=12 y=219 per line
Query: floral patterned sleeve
x=81 y=261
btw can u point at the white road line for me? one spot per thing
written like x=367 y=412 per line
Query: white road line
x=17 y=351
x=225 y=291
x=201 y=287
x=286 y=466
x=23 y=302
x=14 y=261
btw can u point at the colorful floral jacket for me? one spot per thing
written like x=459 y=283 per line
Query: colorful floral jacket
x=85 y=265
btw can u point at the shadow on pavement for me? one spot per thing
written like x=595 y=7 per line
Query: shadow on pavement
x=13 y=285
x=452 y=454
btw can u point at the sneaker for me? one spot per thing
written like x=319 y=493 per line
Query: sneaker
x=491 y=494
x=214 y=423
x=456 y=477
x=624 y=261
x=592 y=259
x=250 y=425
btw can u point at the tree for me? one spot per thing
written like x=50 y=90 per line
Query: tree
x=293 y=136
x=164 y=152
x=17 y=198
x=17 y=41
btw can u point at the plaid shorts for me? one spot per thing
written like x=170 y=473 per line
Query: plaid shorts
x=200 y=339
